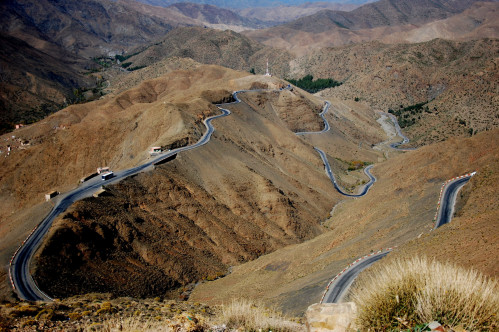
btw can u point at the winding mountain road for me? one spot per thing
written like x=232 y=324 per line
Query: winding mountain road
x=448 y=200
x=326 y=124
x=19 y=271
x=337 y=289
x=405 y=139
x=329 y=172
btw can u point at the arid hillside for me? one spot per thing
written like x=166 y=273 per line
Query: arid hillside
x=409 y=21
x=33 y=83
x=281 y=14
x=116 y=131
x=254 y=188
x=398 y=210
x=478 y=21
x=253 y=151
x=226 y=48
x=215 y=16
x=455 y=83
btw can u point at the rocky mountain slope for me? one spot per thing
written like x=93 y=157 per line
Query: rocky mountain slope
x=255 y=188
x=46 y=61
x=33 y=83
x=478 y=21
x=456 y=82
x=241 y=4
x=55 y=153
x=243 y=195
x=213 y=15
x=398 y=210
x=87 y=28
x=385 y=21
x=282 y=14
x=227 y=48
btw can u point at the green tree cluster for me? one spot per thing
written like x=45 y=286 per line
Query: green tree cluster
x=308 y=84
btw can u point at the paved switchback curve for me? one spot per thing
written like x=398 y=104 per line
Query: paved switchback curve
x=448 y=199
x=337 y=288
x=19 y=266
x=405 y=139
x=326 y=123
x=327 y=166
x=329 y=172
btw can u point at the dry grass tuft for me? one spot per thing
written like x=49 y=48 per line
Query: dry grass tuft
x=183 y=322
x=246 y=315
x=404 y=294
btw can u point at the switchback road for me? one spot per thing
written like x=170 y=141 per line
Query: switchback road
x=19 y=271
x=337 y=289
x=448 y=199
x=329 y=172
x=326 y=124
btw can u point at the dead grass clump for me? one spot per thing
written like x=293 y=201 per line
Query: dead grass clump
x=246 y=315
x=403 y=294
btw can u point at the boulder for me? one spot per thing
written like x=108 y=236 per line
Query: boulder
x=331 y=317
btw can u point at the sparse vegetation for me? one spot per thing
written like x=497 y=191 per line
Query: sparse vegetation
x=127 y=314
x=307 y=83
x=357 y=164
x=246 y=315
x=405 y=294
x=406 y=116
x=136 y=68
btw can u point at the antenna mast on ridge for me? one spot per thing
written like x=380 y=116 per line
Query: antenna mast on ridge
x=267 y=73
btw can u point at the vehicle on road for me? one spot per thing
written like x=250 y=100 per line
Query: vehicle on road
x=107 y=176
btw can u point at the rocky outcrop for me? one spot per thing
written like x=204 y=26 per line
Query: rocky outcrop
x=337 y=317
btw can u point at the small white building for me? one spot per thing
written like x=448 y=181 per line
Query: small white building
x=51 y=195
x=155 y=150
x=101 y=170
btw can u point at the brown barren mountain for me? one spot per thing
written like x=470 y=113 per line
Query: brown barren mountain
x=254 y=188
x=282 y=14
x=34 y=84
x=256 y=183
x=116 y=131
x=398 y=210
x=479 y=21
x=226 y=48
x=87 y=28
x=457 y=80
x=406 y=21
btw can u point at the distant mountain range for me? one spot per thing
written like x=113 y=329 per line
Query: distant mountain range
x=240 y=4
x=386 y=20
x=53 y=46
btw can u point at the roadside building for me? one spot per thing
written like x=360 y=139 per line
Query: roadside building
x=155 y=150
x=51 y=195
x=101 y=170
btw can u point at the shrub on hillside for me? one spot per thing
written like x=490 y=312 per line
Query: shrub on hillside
x=404 y=294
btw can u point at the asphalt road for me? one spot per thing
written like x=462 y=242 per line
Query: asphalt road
x=329 y=172
x=326 y=124
x=339 y=287
x=405 y=140
x=19 y=271
x=449 y=200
